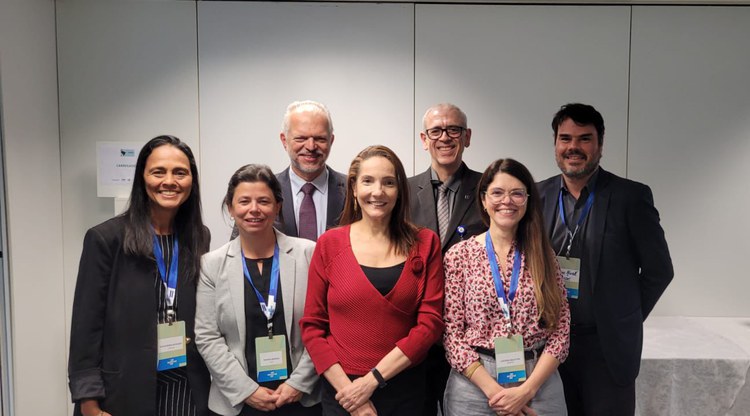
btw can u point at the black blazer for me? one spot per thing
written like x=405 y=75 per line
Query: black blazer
x=465 y=209
x=627 y=261
x=287 y=223
x=113 y=330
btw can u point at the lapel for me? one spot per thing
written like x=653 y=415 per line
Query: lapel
x=550 y=195
x=287 y=277
x=464 y=199
x=336 y=194
x=595 y=230
x=287 y=207
x=236 y=279
x=425 y=199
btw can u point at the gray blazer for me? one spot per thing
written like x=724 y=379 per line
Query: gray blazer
x=220 y=322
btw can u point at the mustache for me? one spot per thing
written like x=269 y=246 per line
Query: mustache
x=574 y=153
x=315 y=153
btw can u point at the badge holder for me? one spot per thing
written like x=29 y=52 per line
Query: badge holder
x=172 y=350
x=571 y=273
x=270 y=356
x=509 y=359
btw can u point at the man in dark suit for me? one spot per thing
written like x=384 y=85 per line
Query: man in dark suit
x=443 y=199
x=307 y=135
x=611 y=248
x=313 y=193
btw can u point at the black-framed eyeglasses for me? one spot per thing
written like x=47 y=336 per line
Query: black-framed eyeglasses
x=453 y=132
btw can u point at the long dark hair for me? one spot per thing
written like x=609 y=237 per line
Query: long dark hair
x=532 y=239
x=192 y=235
x=403 y=233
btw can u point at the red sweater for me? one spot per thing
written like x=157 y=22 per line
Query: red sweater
x=347 y=321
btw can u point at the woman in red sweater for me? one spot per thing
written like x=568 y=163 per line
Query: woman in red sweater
x=374 y=296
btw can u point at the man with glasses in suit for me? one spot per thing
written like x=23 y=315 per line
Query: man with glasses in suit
x=443 y=199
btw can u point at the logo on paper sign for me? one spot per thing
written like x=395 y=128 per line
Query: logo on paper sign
x=127 y=152
x=511 y=376
x=172 y=362
x=272 y=374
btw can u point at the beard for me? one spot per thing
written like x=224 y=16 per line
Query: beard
x=577 y=173
x=309 y=168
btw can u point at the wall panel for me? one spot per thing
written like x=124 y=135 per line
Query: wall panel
x=690 y=140
x=255 y=58
x=510 y=68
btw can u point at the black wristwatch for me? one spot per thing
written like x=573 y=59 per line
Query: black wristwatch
x=379 y=378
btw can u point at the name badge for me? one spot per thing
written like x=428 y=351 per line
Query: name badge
x=171 y=349
x=270 y=358
x=571 y=273
x=509 y=359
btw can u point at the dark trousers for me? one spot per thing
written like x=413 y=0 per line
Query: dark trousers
x=437 y=371
x=588 y=384
x=403 y=396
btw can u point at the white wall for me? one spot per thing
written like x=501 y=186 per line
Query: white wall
x=128 y=71
x=690 y=140
x=256 y=58
x=32 y=163
x=510 y=68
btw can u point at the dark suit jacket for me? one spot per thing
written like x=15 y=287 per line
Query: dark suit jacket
x=113 y=333
x=627 y=261
x=465 y=209
x=287 y=223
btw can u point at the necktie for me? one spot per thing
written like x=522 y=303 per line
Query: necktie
x=443 y=211
x=308 y=222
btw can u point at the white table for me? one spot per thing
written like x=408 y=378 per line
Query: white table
x=694 y=366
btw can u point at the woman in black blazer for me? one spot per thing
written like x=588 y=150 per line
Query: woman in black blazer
x=128 y=292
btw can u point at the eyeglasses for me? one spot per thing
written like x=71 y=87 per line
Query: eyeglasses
x=517 y=196
x=453 y=132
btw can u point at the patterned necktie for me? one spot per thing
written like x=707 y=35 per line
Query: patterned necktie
x=308 y=222
x=443 y=211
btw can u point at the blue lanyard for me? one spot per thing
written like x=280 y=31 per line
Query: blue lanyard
x=169 y=281
x=268 y=308
x=584 y=213
x=504 y=301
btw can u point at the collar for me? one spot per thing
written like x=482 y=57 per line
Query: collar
x=320 y=183
x=592 y=181
x=453 y=181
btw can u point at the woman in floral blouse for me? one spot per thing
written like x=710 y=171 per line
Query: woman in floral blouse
x=512 y=264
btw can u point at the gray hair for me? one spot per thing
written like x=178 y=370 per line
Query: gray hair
x=306 y=105
x=445 y=107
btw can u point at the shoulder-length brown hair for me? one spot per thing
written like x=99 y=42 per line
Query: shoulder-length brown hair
x=403 y=233
x=532 y=239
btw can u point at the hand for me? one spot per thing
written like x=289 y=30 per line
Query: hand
x=357 y=393
x=526 y=411
x=90 y=407
x=511 y=400
x=287 y=394
x=367 y=409
x=263 y=399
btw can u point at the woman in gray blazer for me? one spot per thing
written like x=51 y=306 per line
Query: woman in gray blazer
x=250 y=298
